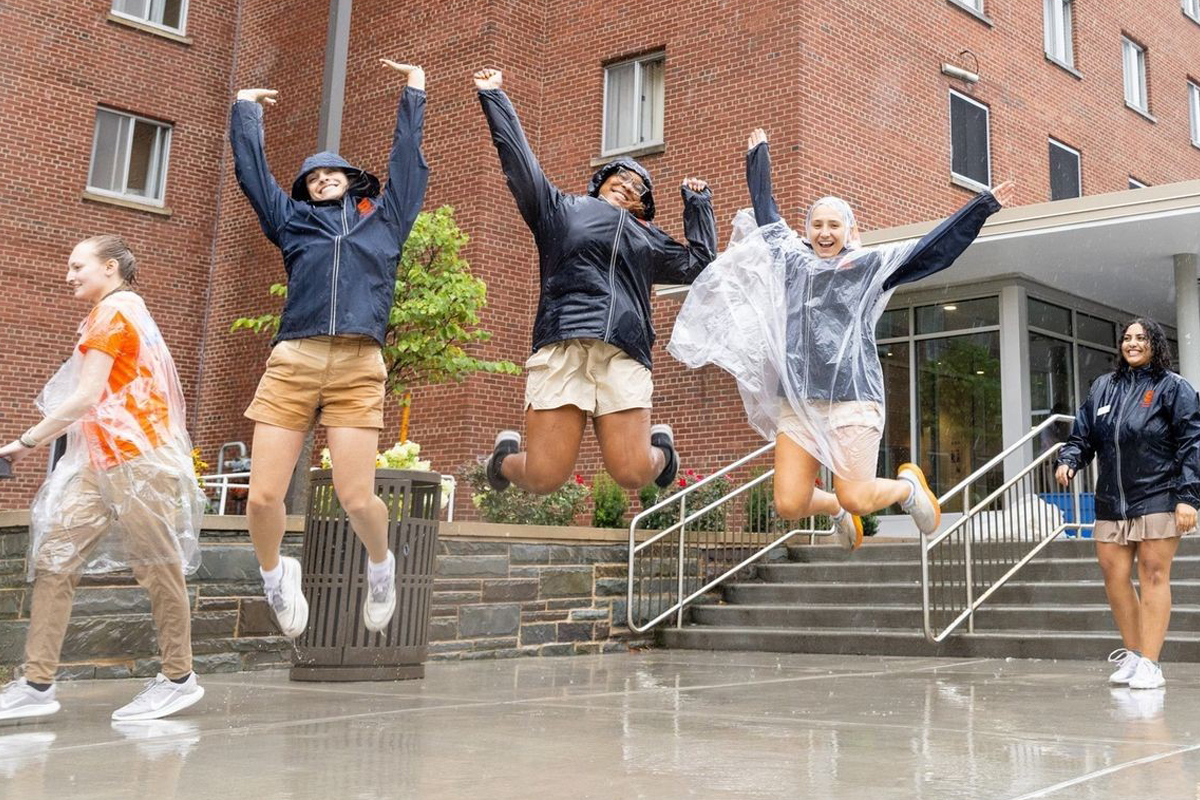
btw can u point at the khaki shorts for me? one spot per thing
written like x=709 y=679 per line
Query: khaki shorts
x=339 y=378
x=1138 y=529
x=843 y=436
x=588 y=373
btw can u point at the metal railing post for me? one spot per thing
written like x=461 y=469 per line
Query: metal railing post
x=969 y=562
x=682 y=530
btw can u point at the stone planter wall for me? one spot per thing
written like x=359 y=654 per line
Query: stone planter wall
x=501 y=591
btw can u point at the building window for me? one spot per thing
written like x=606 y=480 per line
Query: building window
x=1192 y=9
x=170 y=14
x=1134 y=183
x=1058 y=31
x=970 y=143
x=1064 y=172
x=1134 y=56
x=633 y=104
x=1194 y=111
x=129 y=156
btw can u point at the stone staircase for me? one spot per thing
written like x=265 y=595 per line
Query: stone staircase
x=823 y=600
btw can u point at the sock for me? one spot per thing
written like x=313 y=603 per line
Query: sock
x=184 y=679
x=271 y=578
x=41 y=687
x=912 y=494
x=841 y=515
x=378 y=573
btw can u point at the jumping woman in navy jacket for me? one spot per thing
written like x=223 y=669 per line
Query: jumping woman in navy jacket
x=341 y=241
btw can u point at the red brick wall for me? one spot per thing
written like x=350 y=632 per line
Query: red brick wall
x=853 y=100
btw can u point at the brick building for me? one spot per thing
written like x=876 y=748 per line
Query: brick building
x=1073 y=97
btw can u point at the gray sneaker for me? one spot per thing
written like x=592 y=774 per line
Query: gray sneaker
x=1127 y=662
x=160 y=698
x=922 y=504
x=848 y=531
x=381 y=599
x=19 y=700
x=287 y=600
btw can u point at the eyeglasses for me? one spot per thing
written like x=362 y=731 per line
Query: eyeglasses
x=632 y=181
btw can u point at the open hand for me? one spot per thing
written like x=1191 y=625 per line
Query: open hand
x=757 y=137
x=1185 y=518
x=414 y=76
x=14 y=451
x=265 y=97
x=1005 y=193
x=488 y=79
x=695 y=184
x=1064 y=474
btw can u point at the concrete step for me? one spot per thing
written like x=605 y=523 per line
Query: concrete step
x=1093 y=646
x=907 y=550
x=1085 y=618
x=1183 y=592
x=1040 y=569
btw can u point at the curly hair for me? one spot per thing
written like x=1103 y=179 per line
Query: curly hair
x=1160 y=349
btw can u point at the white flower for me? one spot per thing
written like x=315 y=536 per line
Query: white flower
x=326 y=459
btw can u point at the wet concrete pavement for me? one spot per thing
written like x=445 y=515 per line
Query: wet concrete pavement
x=660 y=724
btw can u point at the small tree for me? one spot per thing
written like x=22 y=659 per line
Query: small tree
x=434 y=315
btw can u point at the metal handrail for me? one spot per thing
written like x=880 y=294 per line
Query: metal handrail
x=680 y=529
x=971 y=602
x=222 y=482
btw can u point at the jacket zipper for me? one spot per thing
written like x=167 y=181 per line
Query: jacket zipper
x=337 y=262
x=1117 y=442
x=612 y=275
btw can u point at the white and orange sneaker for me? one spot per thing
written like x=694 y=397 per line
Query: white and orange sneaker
x=922 y=504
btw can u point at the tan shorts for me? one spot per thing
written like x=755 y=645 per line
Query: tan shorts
x=339 y=377
x=587 y=373
x=843 y=436
x=1138 y=529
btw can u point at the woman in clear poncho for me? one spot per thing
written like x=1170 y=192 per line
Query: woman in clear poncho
x=792 y=318
x=123 y=495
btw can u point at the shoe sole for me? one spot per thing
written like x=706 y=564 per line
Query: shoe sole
x=1155 y=686
x=30 y=712
x=182 y=702
x=301 y=607
x=502 y=436
x=387 y=618
x=937 y=508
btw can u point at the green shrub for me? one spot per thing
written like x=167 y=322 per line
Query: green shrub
x=516 y=507
x=697 y=499
x=609 y=502
x=870 y=525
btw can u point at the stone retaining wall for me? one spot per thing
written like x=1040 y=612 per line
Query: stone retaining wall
x=493 y=598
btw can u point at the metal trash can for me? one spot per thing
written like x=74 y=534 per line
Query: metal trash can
x=336 y=646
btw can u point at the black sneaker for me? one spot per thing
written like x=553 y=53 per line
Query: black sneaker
x=507 y=443
x=662 y=436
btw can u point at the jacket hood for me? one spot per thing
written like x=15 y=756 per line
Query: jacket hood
x=362 y=183
x=601 y=175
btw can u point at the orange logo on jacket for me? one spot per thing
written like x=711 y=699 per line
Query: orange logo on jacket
x=365 y=207
x=1147 y=397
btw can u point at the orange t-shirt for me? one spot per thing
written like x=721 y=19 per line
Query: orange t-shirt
x=135 y=422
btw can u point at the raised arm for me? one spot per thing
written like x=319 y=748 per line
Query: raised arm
x=683 y=263
x=758 y=178
x=938 y=248
x=535 y=195
x=271 y=204
x=408 y=174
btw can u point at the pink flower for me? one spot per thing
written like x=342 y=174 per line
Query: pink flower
x=683 y=483
x=578 y=479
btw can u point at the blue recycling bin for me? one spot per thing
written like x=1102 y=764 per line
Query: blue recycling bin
x=1087 y=508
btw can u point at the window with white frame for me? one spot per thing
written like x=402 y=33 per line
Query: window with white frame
x=1134 y=183
x=974 y=5
x=633 y=104
x=1191 y=8
x=970 y=145
x=1194 y=110
x=1058 y=31
x=169 y=14
x=129 y=156
x=1064 y=172
x=1134 y=56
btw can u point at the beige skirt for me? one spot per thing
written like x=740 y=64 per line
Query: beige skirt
x=1138 y=529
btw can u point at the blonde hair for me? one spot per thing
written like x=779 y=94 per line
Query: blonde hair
x=111 y=245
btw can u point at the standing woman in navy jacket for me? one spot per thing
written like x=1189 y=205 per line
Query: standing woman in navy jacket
x=341 y=241
x=1142 y=422
x=598 y=256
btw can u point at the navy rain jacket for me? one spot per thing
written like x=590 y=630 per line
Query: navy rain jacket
x=1145 y=428
x=340 y=256
x=596 y=262
x=821 y=378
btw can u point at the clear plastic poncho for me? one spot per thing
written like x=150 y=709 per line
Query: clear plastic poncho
x=798 y=333
x=124 y=494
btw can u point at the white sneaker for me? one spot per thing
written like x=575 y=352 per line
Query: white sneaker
x=287 y=600
x=19 y=700
x=381 y=599
x=922 y=504
x=160 y=698
x=848 y=530
x=1148 y=676
x=1126 y=661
